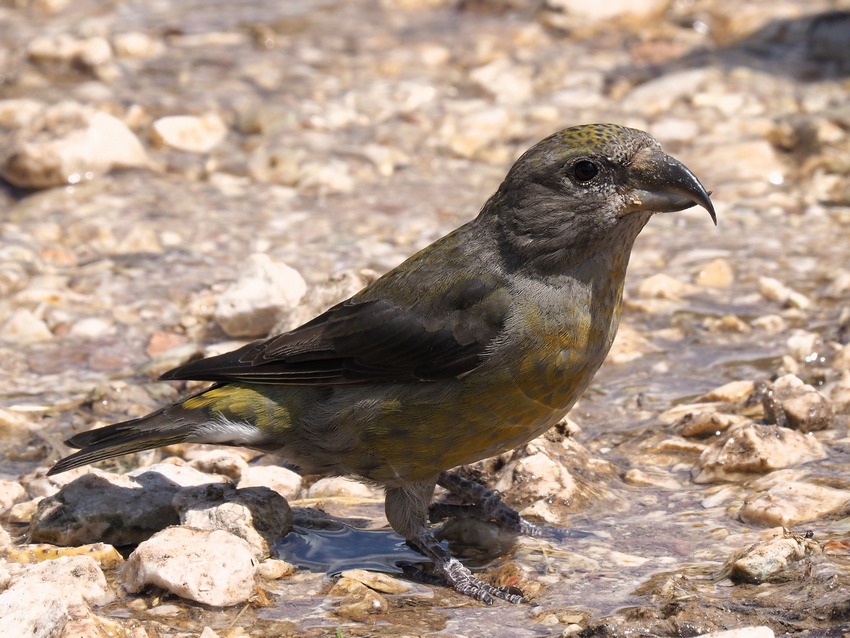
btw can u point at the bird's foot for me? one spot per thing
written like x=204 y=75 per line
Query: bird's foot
x=483 y=504
x=455 y=575
x=463 y=581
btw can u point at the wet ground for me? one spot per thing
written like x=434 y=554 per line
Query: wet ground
x=358 y=133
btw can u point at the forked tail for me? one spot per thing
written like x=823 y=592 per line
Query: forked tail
x=164 y=427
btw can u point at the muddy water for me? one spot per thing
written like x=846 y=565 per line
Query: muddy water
x=147 y=252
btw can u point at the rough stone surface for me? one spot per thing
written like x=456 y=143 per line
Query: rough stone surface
x=779 y=501
x=338 y=486
x=258 y=515
x=111 y=508
x=67 y=143
x=794 y=404
x=38 y=599
x=283 y=481
x=189 y=133
x=750 y=448
x=771 y=560
x=264 y=290
x=212 y=567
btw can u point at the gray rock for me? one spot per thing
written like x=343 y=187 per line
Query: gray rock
x=114 y=509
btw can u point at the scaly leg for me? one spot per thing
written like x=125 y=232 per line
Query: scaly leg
x=406 y=509
x=481 y=503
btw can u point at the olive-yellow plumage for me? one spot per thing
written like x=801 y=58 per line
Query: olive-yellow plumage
x=471 y=347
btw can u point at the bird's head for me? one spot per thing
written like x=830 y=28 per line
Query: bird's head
x=585 y=187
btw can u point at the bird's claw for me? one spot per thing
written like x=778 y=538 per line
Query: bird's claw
x=462 y=581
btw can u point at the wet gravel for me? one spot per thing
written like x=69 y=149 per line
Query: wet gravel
x=336 y=136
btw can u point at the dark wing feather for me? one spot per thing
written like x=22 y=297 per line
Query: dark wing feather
x=370 y=341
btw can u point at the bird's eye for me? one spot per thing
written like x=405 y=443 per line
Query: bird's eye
x=585 y=170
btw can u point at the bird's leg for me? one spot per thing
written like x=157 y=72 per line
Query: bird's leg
x=406 y=509
x=480 y=503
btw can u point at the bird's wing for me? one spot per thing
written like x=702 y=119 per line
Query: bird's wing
x=364 y=340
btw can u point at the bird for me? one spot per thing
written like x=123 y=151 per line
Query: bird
x=471 y=347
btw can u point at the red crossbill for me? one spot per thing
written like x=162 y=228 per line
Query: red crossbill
x=473 y=346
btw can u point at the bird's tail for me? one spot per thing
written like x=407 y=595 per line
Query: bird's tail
x=157 y=429
x=226 y=414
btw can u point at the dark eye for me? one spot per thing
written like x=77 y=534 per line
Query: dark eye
x=585 y=170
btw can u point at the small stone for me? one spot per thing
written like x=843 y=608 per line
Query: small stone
x=107 y=556
x=789 y=502
x=221 y=461
x=19 y=113
x=504 y=80
x=23 y=327
x=135 y=44
x=654 y=478
x=771 y=324
x=727 y=323
x=742 y=632
x=338 y=287
x=841 y=359
x=160 y=342
x=283 y=481
x=24 y=511
x=39 y=599
x=839 y=394
x=540 y=475
x=674 y=129
x=750 y=448
x=84 y=623
x=771 y=560
x=91 y=328
x=715 y=274
x=662 y=286
x=68 y=143
x=377 y=581
x=273 y=569
x=659 y=94
x=791 y=403
x=629 y=344
x=189 y=133
x=257 y=515
x=747 y=160
x=359 y=602
x=11 y=492
x=88 y=53
x=774 y=290
x=732 y=392
x=474 y=132
x=703 y=424
x=211 y=567
x=601 y=11
x=264 y=290
x=804 y=345
x=339 y=486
